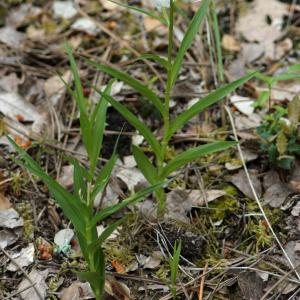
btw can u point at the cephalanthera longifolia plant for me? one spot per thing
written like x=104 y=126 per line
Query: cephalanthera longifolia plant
x=159 y=169
x=78 y=206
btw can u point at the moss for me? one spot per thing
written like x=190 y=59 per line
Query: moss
x=25 y=211
x=221 y=206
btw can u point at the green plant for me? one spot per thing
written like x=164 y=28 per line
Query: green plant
x=174 y=265
x=292 y=73
x=280 y=138
x=78 y=206
x=159 y=169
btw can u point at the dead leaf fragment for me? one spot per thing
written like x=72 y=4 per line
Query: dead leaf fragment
x=4 y=201
x=10 y=37
x=230 y=43
x=38 y=277
x=64 y=9
x=66 y=177
x=243 y=104
x=151 y=24
x=276 y=194
x=9 y=218
x=241 y=182
x=77 y=291
x=24 y=258
x=260 y=31
x=86 y=25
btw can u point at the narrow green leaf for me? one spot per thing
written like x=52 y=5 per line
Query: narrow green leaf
x=262 y=99
x=103 y=177
x=266 y=79
x=142 y=11
x=85 y=125
x=79 y=182
x=194 y=153
x=218 y=41
x=144 y=164
x=98 y=132
x=156 y=58
x=188 y=39
x=174 y=265
x=135 y=122
x=206 y=102
x=108 y=211
x=174 y=261
x=73 y=209
x=285 y=76
x=294 y=68
x=135 y=84
x=106 y=233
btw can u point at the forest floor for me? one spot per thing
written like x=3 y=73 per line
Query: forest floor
x=230 y=249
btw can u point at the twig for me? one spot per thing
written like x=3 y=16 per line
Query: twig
x=255 y=194
x=201 y=288
x=22 y=270
x=283 y=278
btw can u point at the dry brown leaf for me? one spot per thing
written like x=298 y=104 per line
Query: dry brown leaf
x=152 y=24
x=254 y=27
x=4 y=202
x=230 y=43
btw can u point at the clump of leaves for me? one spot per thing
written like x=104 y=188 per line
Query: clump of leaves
x=158 y=168
x=78 y=206
x=292 y=73
x=280 y=138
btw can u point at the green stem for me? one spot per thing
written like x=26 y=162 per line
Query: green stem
x=218 y=41
x=166 y=117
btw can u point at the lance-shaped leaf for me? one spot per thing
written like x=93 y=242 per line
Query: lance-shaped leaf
x=103 y=177
x=72 y=208
x=206 y=102
x=144 y=164
x=106 y=233
x=135 y=84
x=98 y=130
x=79 y=182
x=108 y=211
x=188 y=39
x=194 y=153
x=85 y=125
x=135 y=122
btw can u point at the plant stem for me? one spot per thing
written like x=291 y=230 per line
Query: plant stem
x=166 y=118
x=217 y=41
